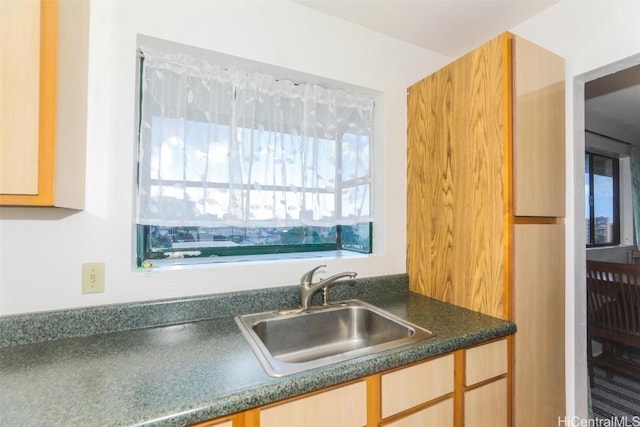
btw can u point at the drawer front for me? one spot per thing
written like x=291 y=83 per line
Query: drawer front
x=344 y=406
x=486 y=405
x=215 y=423
x=485 y=362
x=405 y=388
x=438 y=415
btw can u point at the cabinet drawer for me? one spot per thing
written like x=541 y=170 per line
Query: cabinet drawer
x=412 y=386
x=225 y=423
x=486 y=405
x=344 y=406
x=485 y=362
x=438 y=415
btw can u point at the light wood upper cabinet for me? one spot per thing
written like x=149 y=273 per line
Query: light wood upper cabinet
x=43 y=102
x=20 y=92
x=539 y=127
x=486 y=157
x=485 y=146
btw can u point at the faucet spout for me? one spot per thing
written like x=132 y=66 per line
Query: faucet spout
x=308 y=288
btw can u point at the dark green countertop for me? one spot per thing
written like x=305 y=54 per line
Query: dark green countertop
x=190 y=372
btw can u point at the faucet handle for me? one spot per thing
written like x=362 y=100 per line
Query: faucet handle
x=307 y=278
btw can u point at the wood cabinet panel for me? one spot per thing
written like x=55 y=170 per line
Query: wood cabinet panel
x=343 y=406
x=487 y=406
x=539 y=128
x=213 y=423
x=456 y=201
x=20 y=92
x=504 y=102
x=485 y=362
x=539 y=313
x=53 y=128
x=438 y=415
x=409 y=387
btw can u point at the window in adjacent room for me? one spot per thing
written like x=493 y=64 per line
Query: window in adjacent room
x=602 y=218
x=232 y=162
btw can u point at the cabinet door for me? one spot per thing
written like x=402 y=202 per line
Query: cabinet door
x=222 y=423
x=44 y=51
x=409 y=387
x=19 y=96
x=343 y=406
x=539 y=313
x=539 y=128
x=487 y=406
x=438 y=415
x=485 y=362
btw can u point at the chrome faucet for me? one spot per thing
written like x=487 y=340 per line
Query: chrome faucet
x=308 y=288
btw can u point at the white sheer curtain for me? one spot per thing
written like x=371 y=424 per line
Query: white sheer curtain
x=220 y=146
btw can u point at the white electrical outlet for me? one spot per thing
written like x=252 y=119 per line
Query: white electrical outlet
x=92 y=277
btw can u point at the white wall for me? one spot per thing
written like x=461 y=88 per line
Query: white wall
x=590 y=35
x=41 y=251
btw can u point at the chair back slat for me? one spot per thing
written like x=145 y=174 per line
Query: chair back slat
x=613 y=300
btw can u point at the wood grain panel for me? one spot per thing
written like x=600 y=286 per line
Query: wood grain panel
x=456 y=204
x=486 y=361
x=409 y=387
x=487 y=406
x=539 y=313
x=343 y=406
x=539 y=131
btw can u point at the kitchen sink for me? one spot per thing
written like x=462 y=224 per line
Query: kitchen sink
x=290 y=341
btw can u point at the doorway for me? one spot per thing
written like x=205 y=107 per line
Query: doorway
x=607 y=122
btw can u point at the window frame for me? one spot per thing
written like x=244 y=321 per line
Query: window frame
x=590 y=243
x=218 y=254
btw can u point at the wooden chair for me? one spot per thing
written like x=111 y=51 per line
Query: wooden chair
x=613 y=317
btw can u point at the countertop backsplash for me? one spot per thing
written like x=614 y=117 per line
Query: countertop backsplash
x=53 y=325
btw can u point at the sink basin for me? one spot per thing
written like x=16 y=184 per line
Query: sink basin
x=292 y=341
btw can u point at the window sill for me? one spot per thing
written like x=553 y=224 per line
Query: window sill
x=189 y=263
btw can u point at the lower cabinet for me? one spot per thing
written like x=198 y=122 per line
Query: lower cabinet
x=218 y=423
x=342 y=406
x=437 y=415
x=486 y=386
x=468 y=387
x=486 y=405
x=409 y=387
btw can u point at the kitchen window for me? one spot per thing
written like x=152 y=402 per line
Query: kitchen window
x=237 y=163
x=602 y=212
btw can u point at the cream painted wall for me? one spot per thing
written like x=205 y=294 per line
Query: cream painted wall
x=589 y=35
x=277 y=33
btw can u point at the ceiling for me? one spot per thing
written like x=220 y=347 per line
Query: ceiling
x=616 y=96
x=454 y=27
x=448 y=27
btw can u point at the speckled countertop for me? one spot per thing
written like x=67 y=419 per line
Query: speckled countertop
x=183 y=373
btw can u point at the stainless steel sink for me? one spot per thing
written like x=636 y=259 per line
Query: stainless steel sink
x=292 y=341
